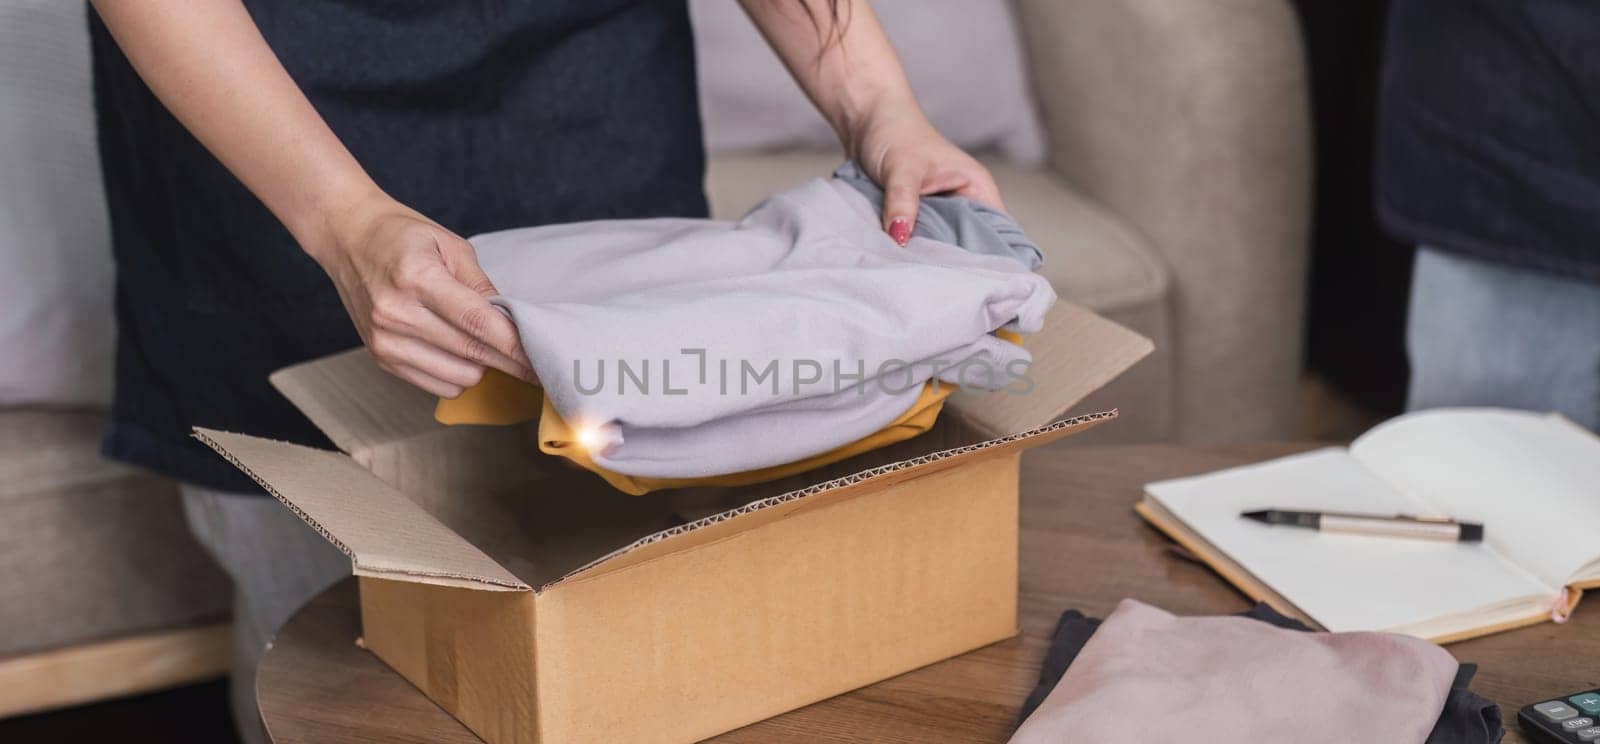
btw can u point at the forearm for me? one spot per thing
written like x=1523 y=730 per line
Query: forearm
x=845 y=65
x=208 y=63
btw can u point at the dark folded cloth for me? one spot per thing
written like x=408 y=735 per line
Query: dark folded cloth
x=1467 y=717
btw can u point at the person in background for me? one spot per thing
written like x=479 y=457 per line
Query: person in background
x=287 y=179
x=1489 y=162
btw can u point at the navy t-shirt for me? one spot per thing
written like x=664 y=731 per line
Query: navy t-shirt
x=1489 y=133
x=482 y=116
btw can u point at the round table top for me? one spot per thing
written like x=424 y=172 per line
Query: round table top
x=315 y=684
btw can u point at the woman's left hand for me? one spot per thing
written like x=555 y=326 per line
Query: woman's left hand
x=899 y=148
x=839 y=54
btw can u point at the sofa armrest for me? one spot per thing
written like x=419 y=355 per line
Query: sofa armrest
x=1191 y=120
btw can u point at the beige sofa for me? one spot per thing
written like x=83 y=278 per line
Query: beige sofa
x=1176 y=200
x=102 y=590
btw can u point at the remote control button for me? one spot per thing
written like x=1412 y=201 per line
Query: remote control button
x=1589 y=734
x=1573 y=724
x=1588 y=702
x=1555 y=710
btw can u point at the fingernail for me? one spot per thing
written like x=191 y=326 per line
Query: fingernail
x=900 y=230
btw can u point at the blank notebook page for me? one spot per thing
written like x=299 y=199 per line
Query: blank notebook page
x=1344 y=582
x=1532 y=479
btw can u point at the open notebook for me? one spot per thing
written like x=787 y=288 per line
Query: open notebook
x=1533 y=480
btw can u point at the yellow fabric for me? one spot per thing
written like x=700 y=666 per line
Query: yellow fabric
x=556 y=438
x=500 y=399
x=497 y=400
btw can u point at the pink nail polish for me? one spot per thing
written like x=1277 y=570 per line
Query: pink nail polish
x=900 y=230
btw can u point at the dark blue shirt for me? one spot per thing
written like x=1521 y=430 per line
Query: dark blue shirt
x=1489 y=133
x=482 y=116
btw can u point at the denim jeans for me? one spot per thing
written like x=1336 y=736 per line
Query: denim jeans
x=277 y=564
x=1485 y=334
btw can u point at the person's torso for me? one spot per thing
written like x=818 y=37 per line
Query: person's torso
x=1489 y=141
x=482 y=115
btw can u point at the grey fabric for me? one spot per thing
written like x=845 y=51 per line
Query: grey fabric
x=956 y=220
x=89 y=549
x=807 y=283
x=277 y=564
x=1486 y=334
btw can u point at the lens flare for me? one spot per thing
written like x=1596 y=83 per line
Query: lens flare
x=588 y=436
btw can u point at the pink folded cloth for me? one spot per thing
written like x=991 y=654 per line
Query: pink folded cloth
x=1148 y=675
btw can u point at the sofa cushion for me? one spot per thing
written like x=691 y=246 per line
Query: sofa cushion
x=90 y=549
x=55 y=246
x=1092 y=258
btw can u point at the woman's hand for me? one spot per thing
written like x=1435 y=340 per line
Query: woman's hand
x=418 y=299
x=899 y=148
x=838 y=53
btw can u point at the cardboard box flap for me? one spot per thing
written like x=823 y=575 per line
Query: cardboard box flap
x=756 y=513
x=385 y=534
x=1076 y=353
x=358 y=405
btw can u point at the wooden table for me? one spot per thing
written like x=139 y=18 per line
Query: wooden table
x=1082 y=548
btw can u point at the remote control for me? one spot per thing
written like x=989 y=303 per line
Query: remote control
x=1569 y=719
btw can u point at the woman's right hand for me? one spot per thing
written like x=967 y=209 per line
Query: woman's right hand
x=414 y=289
x=419 y=299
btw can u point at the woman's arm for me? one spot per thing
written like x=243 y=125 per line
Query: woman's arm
x=414 y=290
x=841 y=58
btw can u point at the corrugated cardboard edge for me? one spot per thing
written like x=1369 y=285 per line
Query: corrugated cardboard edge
x=995 y=445
x=1076 y=353
x=497 y=579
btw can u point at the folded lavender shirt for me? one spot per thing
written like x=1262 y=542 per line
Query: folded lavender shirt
x=657 y=336
x=1147 y=675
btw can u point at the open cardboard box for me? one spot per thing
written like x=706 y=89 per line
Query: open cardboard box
x=536 y=604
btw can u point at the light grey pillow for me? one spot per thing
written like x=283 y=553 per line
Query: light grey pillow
x=55 y=255
x=964 y=59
